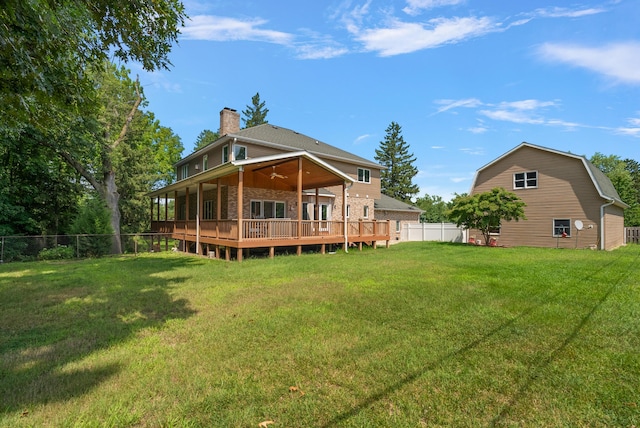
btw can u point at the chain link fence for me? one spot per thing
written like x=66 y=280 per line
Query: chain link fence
x=59 y=247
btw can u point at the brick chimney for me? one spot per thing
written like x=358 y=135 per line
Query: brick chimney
x=229 y=121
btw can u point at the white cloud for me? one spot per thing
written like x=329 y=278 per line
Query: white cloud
x=478 y=151
x=452 y=104
x=414 y=7
x=216 y=28
x=477 y=130
x=618 y=61
x=563 y=12
x=633 y=130
x=400 y=37
x=361 y=138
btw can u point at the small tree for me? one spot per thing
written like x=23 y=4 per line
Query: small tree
x=396 y=180
x=434 y=209
x=255 y=114
x=486 y=211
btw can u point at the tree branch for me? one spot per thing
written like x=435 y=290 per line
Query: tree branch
x=127 y=124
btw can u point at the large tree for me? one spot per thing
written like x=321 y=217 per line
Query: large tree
x=48 y=46
x=397 y=177
x=486 y=211
x=623 y=175
x=256 y=113
x=204 y=138
x=53 y=78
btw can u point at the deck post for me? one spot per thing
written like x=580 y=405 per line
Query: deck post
x=322 y=248
x=272 y=252
x=186 y=222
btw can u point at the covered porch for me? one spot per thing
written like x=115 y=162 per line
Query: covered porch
x=219 y=212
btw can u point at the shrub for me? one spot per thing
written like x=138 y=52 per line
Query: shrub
x=60 y=252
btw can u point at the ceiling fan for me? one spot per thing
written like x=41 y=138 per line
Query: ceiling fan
x=274 y=174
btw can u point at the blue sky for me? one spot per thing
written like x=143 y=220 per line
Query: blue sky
x=467 y=80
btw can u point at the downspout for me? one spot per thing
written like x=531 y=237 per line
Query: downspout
x=344 y=217
x=602 y=207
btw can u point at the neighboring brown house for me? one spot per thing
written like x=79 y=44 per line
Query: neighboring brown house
x=398 y=213
x=267 y=187
x=570 y=202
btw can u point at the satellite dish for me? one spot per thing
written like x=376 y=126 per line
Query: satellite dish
x=579 y=224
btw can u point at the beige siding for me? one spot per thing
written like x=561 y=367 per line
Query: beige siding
x=614 y=227
x=403 y=217
x=565 y=191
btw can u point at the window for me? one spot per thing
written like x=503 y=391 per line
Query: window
x=348 y=210
x=185 y=171
x=397 y=226
x=225 y=154
x=561 y=227
x=239 y=152
x=207 y=213
x=494 y=230
x=525 y=180
x=365 y=213
x=325 y=212
x=364 y=175
x=268 y=209
x=205 y=162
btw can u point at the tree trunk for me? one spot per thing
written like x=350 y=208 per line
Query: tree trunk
x=112 y=198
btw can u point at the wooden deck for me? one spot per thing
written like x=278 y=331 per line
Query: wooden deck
x=218 y=236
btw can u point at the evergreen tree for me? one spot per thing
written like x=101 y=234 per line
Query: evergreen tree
x=205 y=137
x=255 y=114
x=393 y=154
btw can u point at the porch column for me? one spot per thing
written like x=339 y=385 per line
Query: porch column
x=344 y=216
x=158 y=209
x=299 y=185
x=218 y=207
x=166 y=207
x=240 y=196
x=316 y=212
x=198 y=217
x=186 y=220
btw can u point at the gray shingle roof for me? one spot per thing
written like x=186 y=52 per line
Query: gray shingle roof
x=388 y=203
x=269 y=134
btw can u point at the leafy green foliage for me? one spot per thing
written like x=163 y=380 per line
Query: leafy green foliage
x=625 y=177
x=205 y=138
x=434 y=208
x=47 y=48
x=93 y=220
x=61 y=252
x=486 y=211
x=396 y=180
x=256 y=113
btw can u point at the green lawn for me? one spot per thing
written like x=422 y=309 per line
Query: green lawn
x=419 y=334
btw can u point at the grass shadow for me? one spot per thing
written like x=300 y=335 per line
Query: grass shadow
x=54 y=315
x=385 y=392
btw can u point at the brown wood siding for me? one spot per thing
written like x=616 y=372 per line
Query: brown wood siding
x=565 y=191
x=614 y=227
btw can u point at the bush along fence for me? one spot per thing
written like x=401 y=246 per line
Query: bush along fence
x=59 y=247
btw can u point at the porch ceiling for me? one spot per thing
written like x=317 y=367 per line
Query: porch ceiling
x=259 y=172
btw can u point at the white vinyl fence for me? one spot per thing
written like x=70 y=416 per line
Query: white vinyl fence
x=443 y=232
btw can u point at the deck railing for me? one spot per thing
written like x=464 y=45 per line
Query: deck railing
x=273 y=229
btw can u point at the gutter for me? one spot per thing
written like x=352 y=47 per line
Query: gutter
x=602 y=207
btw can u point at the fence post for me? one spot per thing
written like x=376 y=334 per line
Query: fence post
x=77 y=246
x=2 y=253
